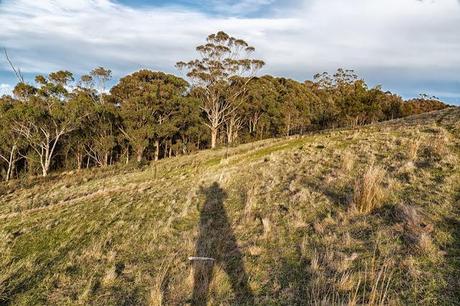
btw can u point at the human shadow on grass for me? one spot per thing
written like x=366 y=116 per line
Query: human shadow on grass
x=452 y=292
x=217 y=245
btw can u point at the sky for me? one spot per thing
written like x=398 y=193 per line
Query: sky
x=408 y=46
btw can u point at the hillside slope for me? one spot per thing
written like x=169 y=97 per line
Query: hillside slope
x=360 y=215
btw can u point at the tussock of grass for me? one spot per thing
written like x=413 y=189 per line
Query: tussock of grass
x=369 y=286
x=348 y=161
x=417 y=231
x=368 y=192
x=412 y=149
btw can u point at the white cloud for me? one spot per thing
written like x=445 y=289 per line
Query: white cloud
x=386 y=40
x=239 y=7
x=5 y=89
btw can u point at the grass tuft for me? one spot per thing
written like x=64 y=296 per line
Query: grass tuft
x=368 y=192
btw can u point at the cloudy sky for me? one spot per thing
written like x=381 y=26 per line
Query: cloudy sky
x=408 y=46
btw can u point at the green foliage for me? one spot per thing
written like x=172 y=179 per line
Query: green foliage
x=149 y=103
x=421 y=105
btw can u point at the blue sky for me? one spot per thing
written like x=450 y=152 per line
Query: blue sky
x=408 y=46
x=241 y=8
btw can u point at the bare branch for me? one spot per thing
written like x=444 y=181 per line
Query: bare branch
x=17 y=72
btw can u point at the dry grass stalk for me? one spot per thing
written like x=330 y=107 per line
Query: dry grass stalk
x=435 y=150
x=380 y=280
x=157 y=292
x=348 y=161
x=371 y=289
x=368 y=192
x=267 y=226
x=250 y=201
x=416 y=230
x=109 y=276
x=412 y=149
x=345 y=282
x=314 y=263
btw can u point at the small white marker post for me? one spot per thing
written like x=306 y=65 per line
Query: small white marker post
x=191 y=258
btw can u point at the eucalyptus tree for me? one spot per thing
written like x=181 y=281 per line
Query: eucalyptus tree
x=191 y=132
x=392 y=106
x=221 y=59
x=261 y=98
x=148 y=102
x=341 y=95
x=78 y=141
x=23 y=91
x=46 y=116
x=100 y=133
x=99 y=77
x=11 y=141
x=295 y=104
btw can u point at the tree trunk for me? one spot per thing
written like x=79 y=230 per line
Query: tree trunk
x=79 y=161
x=157 y=150
x=46 y=162
x=106 y=159
x=214 y=131
x=253 y=123
x=49 y=152
x=230 y=132
x=46 y=165
x=8 y=173
x=10 y=164
x=165 y=153
x=288 y=128
x=140 y=153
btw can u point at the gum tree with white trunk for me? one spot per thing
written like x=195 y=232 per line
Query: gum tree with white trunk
x=222 y=58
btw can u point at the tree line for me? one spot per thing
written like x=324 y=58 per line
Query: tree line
x=60 y=123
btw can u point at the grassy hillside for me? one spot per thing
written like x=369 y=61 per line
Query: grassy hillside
x=366 y=215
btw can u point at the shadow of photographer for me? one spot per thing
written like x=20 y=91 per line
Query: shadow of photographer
x=217 y=244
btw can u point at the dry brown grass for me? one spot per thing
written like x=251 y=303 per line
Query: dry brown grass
x=434 y=150
x=417 y=231
x=368 y=192
x=348 y=161
x=251 y=194
x=110 y=276
x=267 y=227
x=380 y=277
x=156 y=296
x=412 y=149
x=369 y=286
